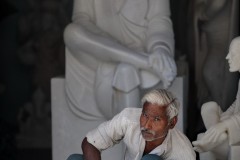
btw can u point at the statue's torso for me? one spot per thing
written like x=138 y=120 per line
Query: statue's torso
x=125 y=20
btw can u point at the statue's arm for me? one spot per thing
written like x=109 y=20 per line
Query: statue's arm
x=102 y=47
x=84 y=16
x=83 y=10
x=84 y=34
x=229 y=112
x=160 y=32
x=233 y=128
x=160 y=41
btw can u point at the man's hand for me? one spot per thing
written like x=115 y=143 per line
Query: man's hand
x=212 y=138
x=164 y=66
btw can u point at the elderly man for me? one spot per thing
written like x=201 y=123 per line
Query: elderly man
x=147 y=132
x=223 y=128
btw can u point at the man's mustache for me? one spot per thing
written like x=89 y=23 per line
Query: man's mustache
x=145 y=130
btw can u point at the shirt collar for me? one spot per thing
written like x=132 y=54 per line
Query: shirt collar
x=165 y=147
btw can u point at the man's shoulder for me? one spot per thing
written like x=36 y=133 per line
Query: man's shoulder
x=179 y=135
x=181 y=145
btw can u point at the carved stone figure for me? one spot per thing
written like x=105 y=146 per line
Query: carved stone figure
x=223 y=128
x=114 y=48
x=215 y=25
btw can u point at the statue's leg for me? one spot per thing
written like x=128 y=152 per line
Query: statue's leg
x=210 y=112
x=126 y=99
x=116 y=88
x=126 y=87
x=104 y=90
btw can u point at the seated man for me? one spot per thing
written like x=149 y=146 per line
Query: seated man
x=223 y=128
x=147 y=131
x=116 y=48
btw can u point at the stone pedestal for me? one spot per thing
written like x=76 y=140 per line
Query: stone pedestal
x=67 y=128
x=234 y=152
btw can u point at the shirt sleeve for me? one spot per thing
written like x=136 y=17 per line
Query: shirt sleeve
x=181 y=147
x=108 y=133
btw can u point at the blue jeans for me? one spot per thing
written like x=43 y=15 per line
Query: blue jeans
x=146 y=157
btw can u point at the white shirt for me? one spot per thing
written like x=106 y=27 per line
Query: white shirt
x=126 y=126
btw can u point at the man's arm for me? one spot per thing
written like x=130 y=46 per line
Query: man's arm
x=104 y=136
x=89 y=151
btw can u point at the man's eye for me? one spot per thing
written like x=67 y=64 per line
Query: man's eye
x=144 y=114
x=156 y=119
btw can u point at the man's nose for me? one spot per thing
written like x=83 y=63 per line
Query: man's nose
x=148 y=124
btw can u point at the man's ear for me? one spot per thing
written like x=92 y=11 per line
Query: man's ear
x=173 y=122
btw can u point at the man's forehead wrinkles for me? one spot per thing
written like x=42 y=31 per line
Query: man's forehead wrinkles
x=154 y=116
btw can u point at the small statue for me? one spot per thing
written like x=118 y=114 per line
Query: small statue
x=223 y=128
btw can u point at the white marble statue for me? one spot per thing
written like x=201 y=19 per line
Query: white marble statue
x=115 y=48
x=223 y=128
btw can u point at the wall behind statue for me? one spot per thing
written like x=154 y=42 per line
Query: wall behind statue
x=32 y=52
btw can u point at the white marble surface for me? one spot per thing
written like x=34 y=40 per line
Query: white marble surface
x=68 y=130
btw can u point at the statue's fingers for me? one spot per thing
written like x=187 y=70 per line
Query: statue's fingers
x=198 y=149
x=197 y=143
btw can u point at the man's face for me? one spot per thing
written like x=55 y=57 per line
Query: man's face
x=153 y=122
x=233 y=57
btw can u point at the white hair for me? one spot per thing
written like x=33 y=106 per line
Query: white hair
x=163 y=98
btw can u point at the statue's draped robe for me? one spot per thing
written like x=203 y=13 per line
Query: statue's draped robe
x=141 y=30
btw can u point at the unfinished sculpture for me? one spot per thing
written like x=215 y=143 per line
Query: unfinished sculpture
x=113 y=50
x=216 y=23
x=223 y=128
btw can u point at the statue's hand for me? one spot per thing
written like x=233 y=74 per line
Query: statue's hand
x=164 y=66
x=217 y=129
x=213 y=137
